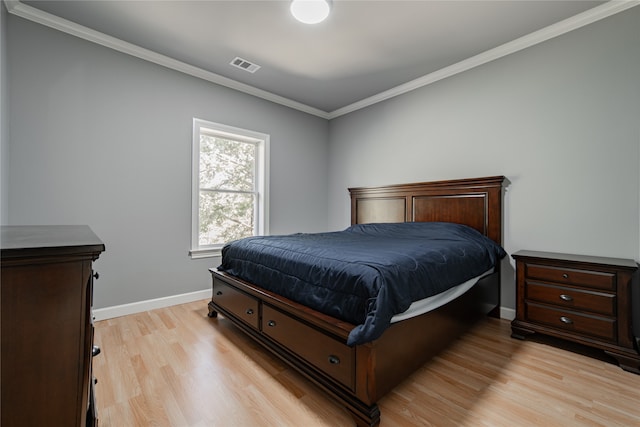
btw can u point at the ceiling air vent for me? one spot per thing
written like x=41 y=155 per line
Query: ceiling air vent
x=243 y=64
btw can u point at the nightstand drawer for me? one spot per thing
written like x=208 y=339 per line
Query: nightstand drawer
x=591 y=279
x=571 y=298
x=595 y=326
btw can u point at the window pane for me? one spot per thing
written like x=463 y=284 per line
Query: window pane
x=226 y=164
x=225 y=217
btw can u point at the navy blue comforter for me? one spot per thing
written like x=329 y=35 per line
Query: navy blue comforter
x=367 y=273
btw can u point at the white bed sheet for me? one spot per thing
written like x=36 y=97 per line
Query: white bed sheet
x=431 y=303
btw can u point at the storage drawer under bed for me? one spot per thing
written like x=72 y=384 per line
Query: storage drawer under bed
x=241 y=305
x=324 y=352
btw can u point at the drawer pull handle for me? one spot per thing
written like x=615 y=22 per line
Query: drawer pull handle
x=271 y=323
x=566 y=320
x=565 y=276
x=334 y=360
x=219 y=293
x=249 y=311
x=565 y=297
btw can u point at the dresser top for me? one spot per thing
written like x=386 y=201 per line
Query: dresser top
x=618 y=262
x=31 y=240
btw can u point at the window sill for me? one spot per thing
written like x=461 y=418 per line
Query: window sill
x=205 y=253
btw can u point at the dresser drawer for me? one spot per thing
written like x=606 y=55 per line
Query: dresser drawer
x=325 y=353
x=591 y=279
x=241 y=305
x=584 y=324
x=571 y=298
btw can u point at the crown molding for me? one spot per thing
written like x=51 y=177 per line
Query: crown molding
x=580 y=20
x=590 y=16
x=22 y=10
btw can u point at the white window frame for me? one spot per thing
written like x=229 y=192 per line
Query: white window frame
x=261 y=210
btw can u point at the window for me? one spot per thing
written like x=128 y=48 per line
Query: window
x=229 y=186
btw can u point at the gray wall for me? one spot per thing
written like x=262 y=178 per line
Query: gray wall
x=560 y=120
x=104 y=139
x=4 y=131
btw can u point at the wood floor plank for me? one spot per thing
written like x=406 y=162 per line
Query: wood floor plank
x=176 y=367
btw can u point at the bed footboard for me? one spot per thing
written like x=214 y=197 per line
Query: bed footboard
x=311 y=343
x=315 y=344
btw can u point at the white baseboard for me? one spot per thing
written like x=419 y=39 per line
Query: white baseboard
x=507 y=313
x=152 y=304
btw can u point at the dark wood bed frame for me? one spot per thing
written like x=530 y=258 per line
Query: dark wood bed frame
x=315 y=344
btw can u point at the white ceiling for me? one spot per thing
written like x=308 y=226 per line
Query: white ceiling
x=363 y=49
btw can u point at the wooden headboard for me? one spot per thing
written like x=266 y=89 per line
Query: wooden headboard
x=476 y=202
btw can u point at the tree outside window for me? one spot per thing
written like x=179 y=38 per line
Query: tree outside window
x=229 y=173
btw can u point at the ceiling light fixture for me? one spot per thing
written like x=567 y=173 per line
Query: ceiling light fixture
x=310 y=11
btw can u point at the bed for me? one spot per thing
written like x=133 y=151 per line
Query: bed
x=358 y=371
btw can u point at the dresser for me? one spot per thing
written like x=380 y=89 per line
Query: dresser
x=47 y=327
x=584 y=299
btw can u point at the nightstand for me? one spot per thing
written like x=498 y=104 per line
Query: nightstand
x=583 y=299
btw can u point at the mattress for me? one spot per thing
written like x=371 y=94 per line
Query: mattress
x=431 y=303
x=367 y=273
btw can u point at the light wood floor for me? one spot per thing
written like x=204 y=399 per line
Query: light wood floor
x=176 y=367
